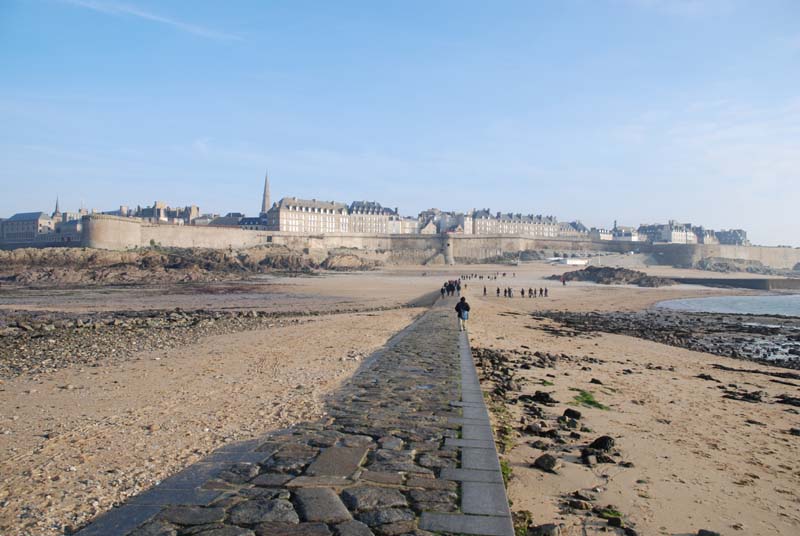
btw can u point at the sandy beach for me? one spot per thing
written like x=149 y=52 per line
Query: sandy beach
x=78 y=440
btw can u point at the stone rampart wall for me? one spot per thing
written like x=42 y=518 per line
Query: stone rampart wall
x=112 y=232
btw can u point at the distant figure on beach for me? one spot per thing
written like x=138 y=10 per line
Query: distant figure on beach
x=541 y=292
x=522 y=293
x=442 y=290
x=484 y=290
x=498 y=292
x=458 y=287
x=462 y=309
x=563 y=281
x=530 y=292
x=545 y=292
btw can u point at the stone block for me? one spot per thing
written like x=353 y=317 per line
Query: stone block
x=484 y=498
x=337 y=461
x=320 y=504
x=467 y=524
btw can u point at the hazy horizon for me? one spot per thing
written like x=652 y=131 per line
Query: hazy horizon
x=639 y=111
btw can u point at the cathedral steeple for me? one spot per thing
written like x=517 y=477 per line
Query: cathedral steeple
x=57 y=211
x=265 y=201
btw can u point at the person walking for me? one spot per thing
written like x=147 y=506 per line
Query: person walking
x=484 y=290
x=462 y=309
x=545 y=292
x=442 y=290
x=498 y=292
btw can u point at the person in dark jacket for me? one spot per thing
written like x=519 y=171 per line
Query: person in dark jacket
x=462 y=309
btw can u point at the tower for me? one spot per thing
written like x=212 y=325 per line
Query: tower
x=265 y=201
x=57 y=213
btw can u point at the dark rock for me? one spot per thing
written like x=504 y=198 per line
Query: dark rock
x=570 y=413
x=579 y=504
x=550 y=529
x=605 y=443
x=546 y=462
x=707 y=377
x=544 y=398
x=541 y=445
x=614 y=521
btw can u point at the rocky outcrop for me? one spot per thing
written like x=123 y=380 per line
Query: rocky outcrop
x=614 y=276
x=82 y=266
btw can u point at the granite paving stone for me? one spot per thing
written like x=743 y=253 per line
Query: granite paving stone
x=363 y=498
x=192 y=515
x=228 y=530
x=388 y=515
x=290 y=529
x=261 y=510
x=337 y=461
x=320 y=504
x=353 y=528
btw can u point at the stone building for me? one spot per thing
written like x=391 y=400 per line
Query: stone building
x=160 y=212
x=308 y=216
x=370 y=217
x=624 y=233
x=670 y=233
x=732 y=237
x=26 y=226
x=529 y=225
x=705 y=236
x=600 y=234
x=483 y=223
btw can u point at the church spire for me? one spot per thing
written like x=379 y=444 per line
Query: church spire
x=56 y=211
x=265 y=201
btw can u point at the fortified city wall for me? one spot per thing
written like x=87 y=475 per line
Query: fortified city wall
x=112 y=232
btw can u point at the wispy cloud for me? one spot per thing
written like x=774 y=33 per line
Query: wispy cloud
x=126 y=10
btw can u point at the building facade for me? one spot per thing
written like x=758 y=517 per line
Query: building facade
x=26 y=226
x=732 y=237
x=371 y=217
x=308 y=216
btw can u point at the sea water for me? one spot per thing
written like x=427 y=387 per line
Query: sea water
x=769 y=304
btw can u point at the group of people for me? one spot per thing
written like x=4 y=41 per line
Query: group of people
x=451 y=288
x=509 y=292
x=489 y=277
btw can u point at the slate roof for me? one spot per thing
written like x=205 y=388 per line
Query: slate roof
x=311 y=203
x=28 y=216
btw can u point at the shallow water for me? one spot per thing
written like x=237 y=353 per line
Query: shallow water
x=772 y=304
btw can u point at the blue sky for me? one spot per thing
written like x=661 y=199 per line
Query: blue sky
x=634 y=110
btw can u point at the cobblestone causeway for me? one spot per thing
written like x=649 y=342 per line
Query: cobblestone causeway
x=406 y=449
